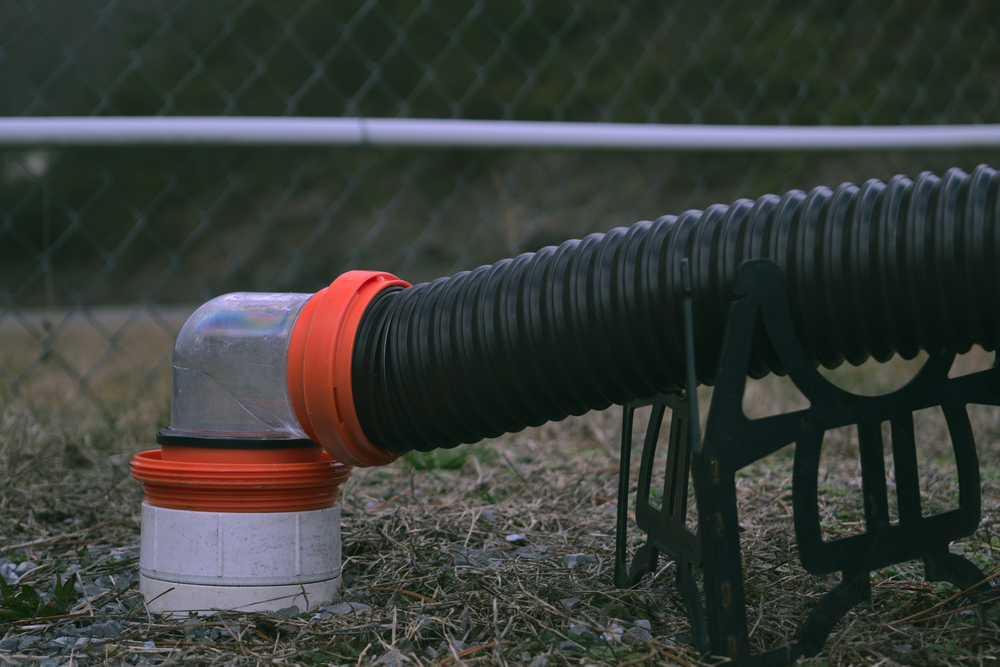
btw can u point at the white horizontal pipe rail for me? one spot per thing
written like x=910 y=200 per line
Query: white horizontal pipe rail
x=444 y=133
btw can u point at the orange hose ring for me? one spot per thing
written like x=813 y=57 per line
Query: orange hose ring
x=226 y=455
x=239 y=487
x=319 y=362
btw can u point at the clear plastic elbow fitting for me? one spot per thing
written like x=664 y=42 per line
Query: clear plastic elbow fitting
x=229 y=376
x=269 y=367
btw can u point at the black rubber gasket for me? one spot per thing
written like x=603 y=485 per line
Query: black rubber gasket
x=164 y=437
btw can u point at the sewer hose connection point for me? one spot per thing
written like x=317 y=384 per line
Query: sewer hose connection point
x=371 y=367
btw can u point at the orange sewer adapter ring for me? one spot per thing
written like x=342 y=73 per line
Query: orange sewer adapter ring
x=252 y=480
x=319 y=362
x=227 y=455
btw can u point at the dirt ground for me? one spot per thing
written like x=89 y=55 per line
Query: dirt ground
x=500 y=553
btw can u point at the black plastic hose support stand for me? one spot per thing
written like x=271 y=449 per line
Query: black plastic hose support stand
x=871 y=271
x=733 y=441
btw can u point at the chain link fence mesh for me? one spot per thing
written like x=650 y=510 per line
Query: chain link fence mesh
x=103 y=252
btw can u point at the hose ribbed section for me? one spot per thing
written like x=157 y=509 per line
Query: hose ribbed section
x=872 y=271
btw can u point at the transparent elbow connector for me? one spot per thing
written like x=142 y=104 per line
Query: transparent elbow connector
x=229 y=369
x=274 y=371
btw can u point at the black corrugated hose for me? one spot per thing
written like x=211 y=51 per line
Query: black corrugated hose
x=872 y=271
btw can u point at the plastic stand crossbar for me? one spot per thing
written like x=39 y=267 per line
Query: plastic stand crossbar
x=733 y=441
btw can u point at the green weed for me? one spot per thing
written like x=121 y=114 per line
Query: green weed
x=27 y=603
x=448 y=459
x=438 y=459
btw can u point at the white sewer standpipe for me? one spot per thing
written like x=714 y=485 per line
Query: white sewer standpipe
x=240 y=506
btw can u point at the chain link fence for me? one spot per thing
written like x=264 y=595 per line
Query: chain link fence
x=104 y=251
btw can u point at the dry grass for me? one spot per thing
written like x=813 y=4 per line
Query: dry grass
x=429 y=553
x=81 y=362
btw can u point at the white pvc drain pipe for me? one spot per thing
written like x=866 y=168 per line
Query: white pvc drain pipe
x=202 y=562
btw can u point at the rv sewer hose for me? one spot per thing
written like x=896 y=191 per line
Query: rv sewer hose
x=872 y=271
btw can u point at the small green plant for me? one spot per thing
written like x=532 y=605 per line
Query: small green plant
x=326 y=658
x=27 y=603
x=491 y=499
x=448 y=459
x=951 y=648
x=437 y=459
x=945 y=588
